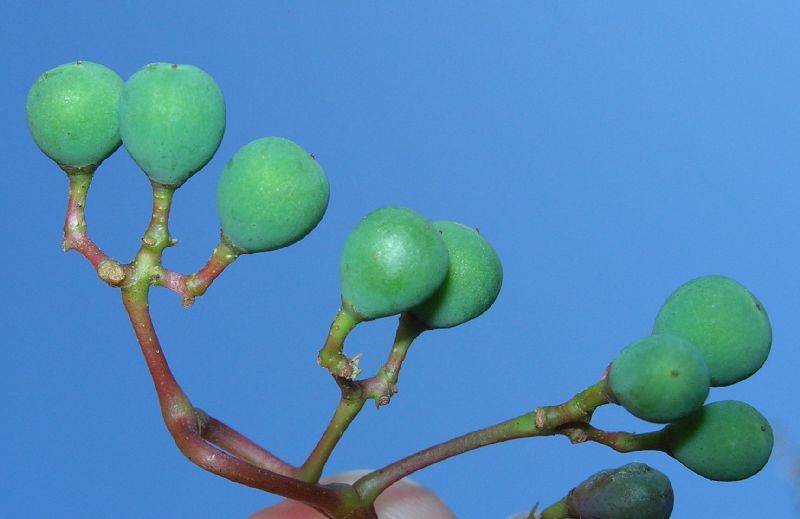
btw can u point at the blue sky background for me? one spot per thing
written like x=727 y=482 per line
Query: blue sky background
x=610 y=151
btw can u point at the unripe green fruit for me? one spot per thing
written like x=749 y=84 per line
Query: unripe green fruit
x=474 y=277
x=392 y=261
x=723 y=441
x=724 y=320
x=660 y=378
x=171 y=118
x=633 y=491
x=72 y=113
x=271 y=194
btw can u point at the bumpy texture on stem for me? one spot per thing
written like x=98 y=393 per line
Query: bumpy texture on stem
x=75 y=234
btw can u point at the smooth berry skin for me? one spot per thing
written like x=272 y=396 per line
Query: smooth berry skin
x=723 y=441
x=633 y=491
x=271 y=194
x=724 y=320
x=72 y=113
x=392 y=261
x=171 y=119
x=474 y=278
x=660 y=378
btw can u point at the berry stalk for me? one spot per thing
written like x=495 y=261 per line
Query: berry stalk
x=182 y=420
x=194 y=285
x=354 y=394
x=75 y=229
x=557 y=510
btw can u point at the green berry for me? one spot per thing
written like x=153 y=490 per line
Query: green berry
x=660 y=378
x=724 y=320
x=723 y=441
x=392 y=261
x=72 y=113
x=633 y=491
x=270 y=195
x=474 y=277
x=171 y=118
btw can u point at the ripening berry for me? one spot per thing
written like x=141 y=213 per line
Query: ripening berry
x=660 y=378
x=72 y=113
x=724 y=320
x=171 y=118
x=474 y=277
x=633 y=491
x=723 y=441
x=392 y=261
x=270 y=195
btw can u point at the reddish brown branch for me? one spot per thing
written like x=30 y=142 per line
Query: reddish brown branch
x=193 y=285
x=181 y=421
x=240 y=446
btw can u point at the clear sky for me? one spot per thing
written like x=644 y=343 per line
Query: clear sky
x=610 y=151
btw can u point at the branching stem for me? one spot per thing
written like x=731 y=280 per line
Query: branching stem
x=194 y=285
x=75 y=229
x=332 y=356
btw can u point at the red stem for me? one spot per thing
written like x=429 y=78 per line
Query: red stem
x=181 y=421
x=242 y=447
x=191 y=286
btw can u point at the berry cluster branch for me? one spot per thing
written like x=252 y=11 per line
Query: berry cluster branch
x=194 y=285
x=581 y=432
x=528 y=425
x=183 y=424
x=435 y=275
x=199 y=437
x=355 y=393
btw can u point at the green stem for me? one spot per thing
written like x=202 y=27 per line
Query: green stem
x=577 y=409
x=380 y=388
x=332 y=356
x=617 y=440
x=557 y=510
x=371 y=485
x=350 y=404
x=383 y=385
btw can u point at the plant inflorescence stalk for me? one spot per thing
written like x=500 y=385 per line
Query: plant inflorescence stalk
x=354 y=394
x=75 y=235
x=240 y=446
x=370 y=486
x=194 y=285
x=220 y=449
x=332 y=356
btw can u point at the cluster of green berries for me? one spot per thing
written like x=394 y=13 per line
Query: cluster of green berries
x=711 y=332
x=171 y=119
x=396 y=261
